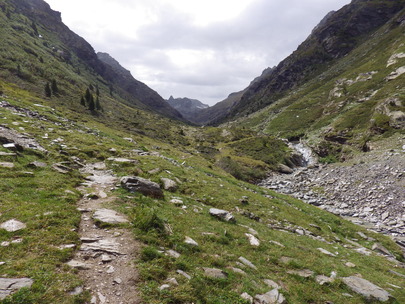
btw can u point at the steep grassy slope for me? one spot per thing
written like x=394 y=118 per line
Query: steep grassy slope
x=38 y=49
x=358 y=98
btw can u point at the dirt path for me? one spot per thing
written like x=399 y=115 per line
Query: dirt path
x=106 y=257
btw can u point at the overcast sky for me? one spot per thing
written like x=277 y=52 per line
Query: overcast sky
x=202 y=49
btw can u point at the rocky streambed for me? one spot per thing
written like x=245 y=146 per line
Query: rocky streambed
x=368 y=190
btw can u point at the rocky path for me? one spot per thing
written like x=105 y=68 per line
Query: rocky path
x=106 y=257
x=368 y=190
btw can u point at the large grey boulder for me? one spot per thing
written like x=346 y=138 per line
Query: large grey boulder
x=142 y=185
x=222 y=214
x=9 y=286
x=366 y=289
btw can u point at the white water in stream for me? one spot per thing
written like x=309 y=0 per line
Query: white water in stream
x=306 y=152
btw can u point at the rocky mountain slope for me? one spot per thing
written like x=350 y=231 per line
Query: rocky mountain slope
x=335 y=37
x=187 y=107
x=38 y=49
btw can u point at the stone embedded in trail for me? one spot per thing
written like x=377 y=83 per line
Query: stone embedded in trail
x=253 y=240
x=366 y=289
x=13 y=225
x=271 y=297
x=215 y=273
x=142 y=185
x=222 y=214
x=105 y=245
x=248 y=263
x=78 y=265
x=169 y=185
x=109 y=216
x=9 y=286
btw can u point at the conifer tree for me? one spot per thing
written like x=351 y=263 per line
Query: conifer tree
x=48 y=91
x=87 y=96
x=82 y=101
x=98 y=106
x=92 y=105
x=54 y=86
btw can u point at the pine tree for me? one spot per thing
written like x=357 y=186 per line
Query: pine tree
x=48 y=92
x=98 y=106
x=54 y=86
x=97 y=91
x=92 y=106
x=82 y=101
x=87 y=96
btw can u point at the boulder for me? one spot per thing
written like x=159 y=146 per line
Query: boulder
x=366 y=289
x=285 y=169
x=142 y=185
x=168 y=184
x=222 y=214
x=253 y=240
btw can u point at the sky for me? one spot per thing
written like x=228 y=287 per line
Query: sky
x=200 y=49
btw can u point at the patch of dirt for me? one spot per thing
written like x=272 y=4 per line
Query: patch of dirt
x=106 y=257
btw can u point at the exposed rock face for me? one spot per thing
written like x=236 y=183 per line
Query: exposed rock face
x=141 y=185
x=189 y=108
x=366 y=289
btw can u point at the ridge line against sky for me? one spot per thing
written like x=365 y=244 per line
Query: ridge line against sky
x=201 y=49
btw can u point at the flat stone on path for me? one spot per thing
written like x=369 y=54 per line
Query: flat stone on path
x=9 y=286
x=109 y=216
x=105 y=245
x=13 y=225
x=366 y=289
x=78 y=265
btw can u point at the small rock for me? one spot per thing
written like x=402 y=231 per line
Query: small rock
x=215 y=273
x=285 y=260
x=6 y=165
x=77 y=291
x=222 y=214
x=237 y=270
x=102 y=298
x=381 y=249
x=248 y=263
x=169 y=184
x=271 y=284
x=190 y=241
x=324 y=251
x=366 y=289
x=176 y=202
x=305 y=273
x=172 y=282
x=277 y=243
x=110 y=269
x=13 y=225
x=118 y=280
x=271 y=297
x=350 y=265
x=154 y=171
x=37 y=164
x=321 y=279
x=173 y=254
x=78 y=265
x=105 y=258
x=109 y=216
x=247 y=297
x=285 y=169
x=253 y=240
x=164 y=287
x=184 y=274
